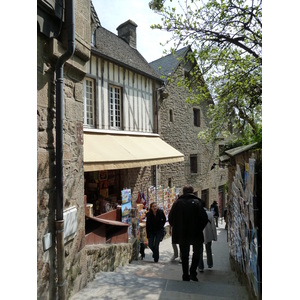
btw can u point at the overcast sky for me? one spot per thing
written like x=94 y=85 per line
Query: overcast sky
x=115 y=12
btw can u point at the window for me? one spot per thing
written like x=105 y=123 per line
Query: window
x=196 y=117
x=187 y=74
x=193 y=164
x=89 y=102
x=221 y=150
x=169 y=182
x=115 y=106
x=93 y=39
x=171 y=115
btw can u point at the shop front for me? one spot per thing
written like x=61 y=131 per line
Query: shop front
x=119 y=169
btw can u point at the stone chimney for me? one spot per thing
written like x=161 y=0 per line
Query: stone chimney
x=127 y=31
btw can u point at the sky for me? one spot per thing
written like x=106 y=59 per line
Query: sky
x=119 y=11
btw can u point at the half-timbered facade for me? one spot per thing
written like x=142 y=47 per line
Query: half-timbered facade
x=117 y=98
x=120 y=86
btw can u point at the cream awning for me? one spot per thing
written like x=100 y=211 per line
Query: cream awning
x=114 y=151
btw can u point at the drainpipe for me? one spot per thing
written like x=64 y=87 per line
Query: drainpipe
x=70 y=25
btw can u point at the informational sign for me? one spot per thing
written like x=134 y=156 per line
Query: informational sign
x=126 y=209
x=126 y=195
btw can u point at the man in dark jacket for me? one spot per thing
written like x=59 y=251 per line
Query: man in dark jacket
x=188 y=219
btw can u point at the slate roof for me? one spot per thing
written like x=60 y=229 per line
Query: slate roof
x=167 y=65
x=114 y=48
x=94 y=15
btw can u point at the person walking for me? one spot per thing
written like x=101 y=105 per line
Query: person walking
x=175 y=249
x=225 y=218
x=155 y=222
x=210 y=234
x=188 y=219
x=214 y=208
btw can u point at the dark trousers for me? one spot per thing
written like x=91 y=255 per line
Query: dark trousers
x=216 y=220
x=153 y=242
x=185 y=251
x=208 y=256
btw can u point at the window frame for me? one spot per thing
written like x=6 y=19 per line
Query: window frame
x=196 y=117
x=93 y=38
x=193 y=164
x=116 y=108
x=171 y=116
x=89 y=121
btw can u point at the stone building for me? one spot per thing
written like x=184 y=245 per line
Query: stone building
x=179 y=125
x=61 y=266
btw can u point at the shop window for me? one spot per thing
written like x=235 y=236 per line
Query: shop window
x=196 y=112
x=115 y=106
x=103 y=190
x=89 y=102
x=193 y=164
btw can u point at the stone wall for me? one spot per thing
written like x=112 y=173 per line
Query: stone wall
x=48 y=50
x=107 y=257
x=183 y=135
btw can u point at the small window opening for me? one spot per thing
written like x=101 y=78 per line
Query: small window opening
x=171 y=115
x=196 y=117
x=193 y=164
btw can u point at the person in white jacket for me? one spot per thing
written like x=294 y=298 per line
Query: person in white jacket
x=210 y=234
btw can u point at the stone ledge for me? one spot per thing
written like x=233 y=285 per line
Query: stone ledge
x=76 y=64
x=107 y=257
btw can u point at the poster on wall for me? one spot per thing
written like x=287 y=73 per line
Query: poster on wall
x=164 y=197
x=126 y=206
x=151 y=194
x=172 y=195
x=126 y=217
x=160 y=197
x=126 y=195
x=251 y=174
x=246 y=174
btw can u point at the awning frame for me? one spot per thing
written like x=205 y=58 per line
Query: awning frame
x=107 y=151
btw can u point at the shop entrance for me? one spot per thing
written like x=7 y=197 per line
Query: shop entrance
x=205 y=197
x=103 y=190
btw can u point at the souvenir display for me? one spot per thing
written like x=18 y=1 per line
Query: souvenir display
x=242 y=233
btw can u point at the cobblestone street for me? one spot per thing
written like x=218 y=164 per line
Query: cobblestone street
x=144 y=279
